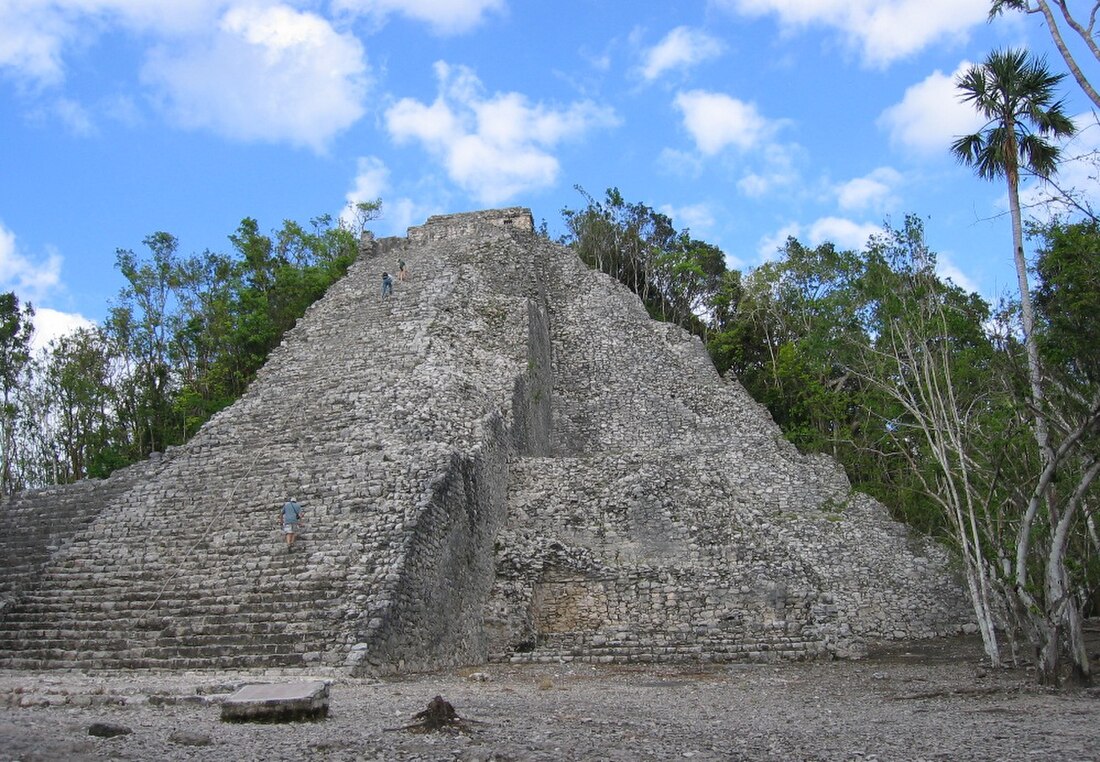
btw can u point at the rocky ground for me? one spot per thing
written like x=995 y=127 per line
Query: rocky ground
x=916 y=703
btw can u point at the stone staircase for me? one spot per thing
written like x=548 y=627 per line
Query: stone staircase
x=362 y=414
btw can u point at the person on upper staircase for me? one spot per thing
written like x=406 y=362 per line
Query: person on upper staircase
x=290 y=517
x=402 y=271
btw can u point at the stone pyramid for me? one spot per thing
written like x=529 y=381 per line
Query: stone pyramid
x=505 y=460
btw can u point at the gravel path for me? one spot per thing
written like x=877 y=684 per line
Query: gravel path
x=933 y=704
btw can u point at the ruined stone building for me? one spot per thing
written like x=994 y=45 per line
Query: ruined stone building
x=505 y=460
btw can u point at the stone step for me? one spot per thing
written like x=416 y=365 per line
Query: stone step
x=82 y=661
x=137 y=603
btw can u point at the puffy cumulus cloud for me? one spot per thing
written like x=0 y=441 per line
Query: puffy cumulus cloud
x=883 y=31
x=36 y=34
x=1077 y=173
x=372 y=181
x=841 y=232
x=697 y=218
x=32 y=40
x=717 y=120
x=29 y=279
x=372 y=178
x=778 y=171
x=50 y=325
x=770 y=245
x=680 y=163
x=493 y=147
x=874 y=191
x=34 y=281
x=844 y=233
x=681 y=48
x=948 y=270
x=930 y=115
x=443 y=16
x=295 y=78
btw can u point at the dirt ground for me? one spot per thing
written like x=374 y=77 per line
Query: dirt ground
x=921 y=702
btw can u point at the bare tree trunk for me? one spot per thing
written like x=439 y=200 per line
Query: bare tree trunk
x=1063 y=49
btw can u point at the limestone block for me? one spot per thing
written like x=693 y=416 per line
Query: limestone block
x=286 y=702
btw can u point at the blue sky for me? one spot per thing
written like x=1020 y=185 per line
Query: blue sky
x=744 y=120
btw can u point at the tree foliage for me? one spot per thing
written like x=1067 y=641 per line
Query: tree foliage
x=677 y=277
x=1016 y=92
x=16 y=325
x=183 y=340
x=922 y=392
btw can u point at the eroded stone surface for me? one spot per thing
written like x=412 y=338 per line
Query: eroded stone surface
x=508 y=460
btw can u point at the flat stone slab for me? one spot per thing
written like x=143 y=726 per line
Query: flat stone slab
x=286 y=702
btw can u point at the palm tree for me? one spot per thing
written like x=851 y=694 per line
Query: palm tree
x=1015 y=93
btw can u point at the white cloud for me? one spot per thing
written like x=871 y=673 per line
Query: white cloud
x=872 y=192
x=698 y=218
x=930 y=115
x=403 y=213
x=33 y=281
x=883 y=31
x=716 y=120
x=842 y=232
x=947 y=269
x=680 y=163
x=681 y=48
x=35 y=35
x=31 y=42
x=51 y=324
x=443 y=16
x=777 y=171
x=494 y=147
x=74 y=116
x=372 y=181
x=1077 y=175
x=770 y=245
x=30 y=280
x=294 y=78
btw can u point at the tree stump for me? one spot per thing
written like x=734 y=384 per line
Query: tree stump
x=440 y=716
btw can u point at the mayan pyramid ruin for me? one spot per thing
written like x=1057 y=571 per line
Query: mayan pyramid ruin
x=507 y=460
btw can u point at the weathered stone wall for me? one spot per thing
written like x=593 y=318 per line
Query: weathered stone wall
x=506 y=459
x=675 y=522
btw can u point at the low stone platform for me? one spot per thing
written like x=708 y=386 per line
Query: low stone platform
x=289 y=702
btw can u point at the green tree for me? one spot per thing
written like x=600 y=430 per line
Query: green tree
x=16 y=326
x=676 y=276
x=78 y=394
x=1067 y=302
x=930 y=365
x=361 y=213
x=1016 y=94
x=144 y=322
x=785 y=341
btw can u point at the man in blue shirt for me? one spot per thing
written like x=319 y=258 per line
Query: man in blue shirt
x=290 y=517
